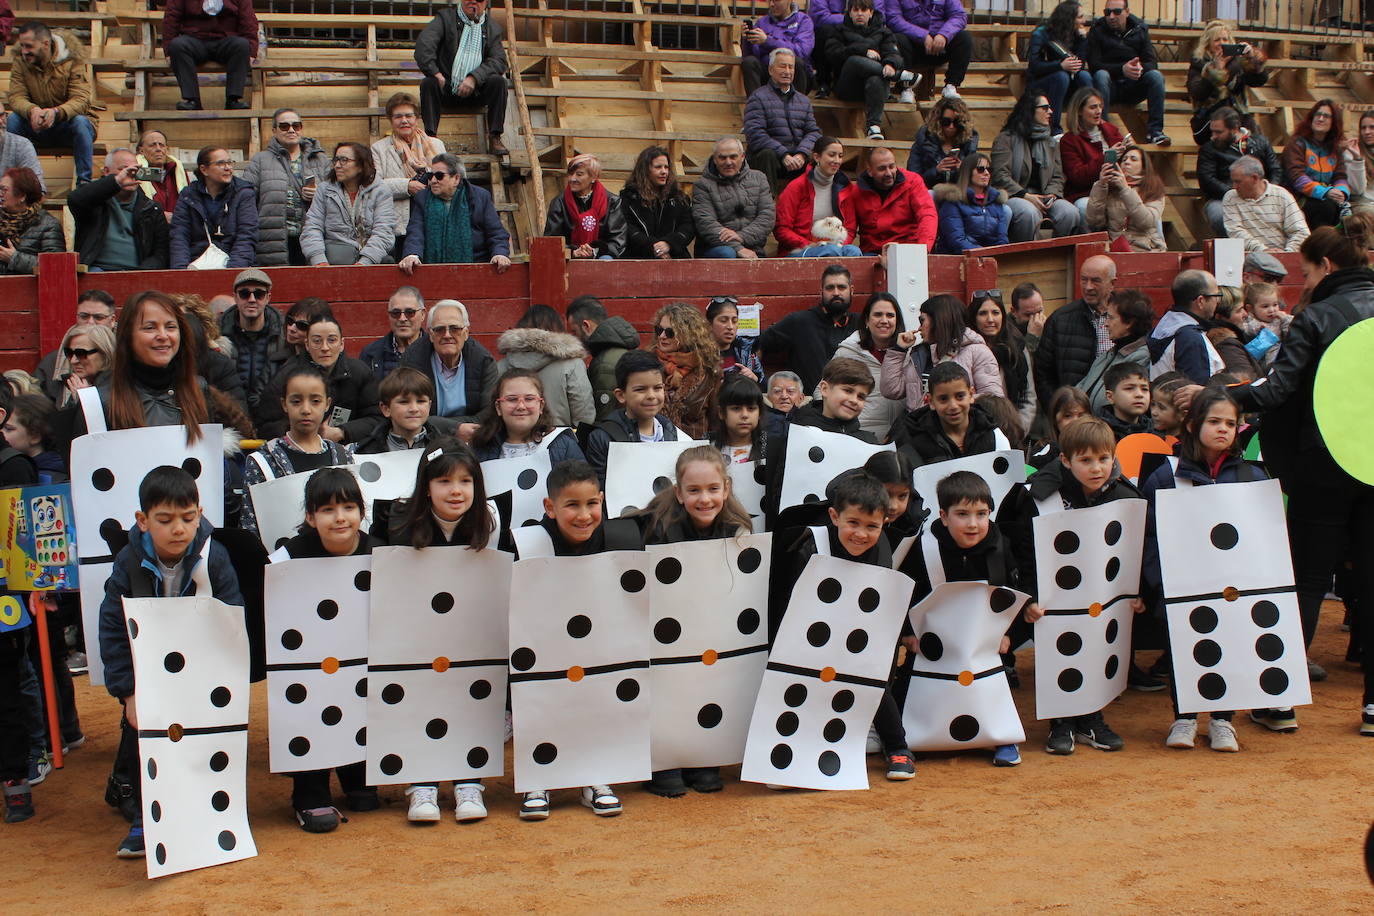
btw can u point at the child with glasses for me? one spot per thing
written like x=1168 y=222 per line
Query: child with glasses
x=517 y=423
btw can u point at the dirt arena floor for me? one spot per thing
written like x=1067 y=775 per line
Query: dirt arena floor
x=1278 y=828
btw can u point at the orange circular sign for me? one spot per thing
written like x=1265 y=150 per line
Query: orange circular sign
x=440 y=664
x=965 y=678
x=709 y=657
x=827 y=675
x=1094 y=609
x=330 y=665
x=575 y=673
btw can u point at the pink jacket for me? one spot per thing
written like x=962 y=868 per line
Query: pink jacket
x=902 y=378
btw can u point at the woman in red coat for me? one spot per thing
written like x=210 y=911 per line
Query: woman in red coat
x=1087 y=136
x=816 y=195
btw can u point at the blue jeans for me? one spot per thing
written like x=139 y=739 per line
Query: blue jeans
x=719 y=251
x=1149 y=87
x=827 y=250
x=78 y=133
x=1057 y=87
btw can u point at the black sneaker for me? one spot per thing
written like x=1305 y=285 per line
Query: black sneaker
x=1163 y=666
x=1061 y=737
x=1139 y=679
x=1315 y=672
x=1282 y=721
x=1095 y=731
x=318 y=820
x=899 y=766
x=667 y=784
x=1158 y=138
x=18 y=801
x=703 y=779
x=131 y=847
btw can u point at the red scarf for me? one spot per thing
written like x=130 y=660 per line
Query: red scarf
x=586 y=227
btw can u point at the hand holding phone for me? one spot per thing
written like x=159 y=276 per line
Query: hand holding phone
x=1110 y=156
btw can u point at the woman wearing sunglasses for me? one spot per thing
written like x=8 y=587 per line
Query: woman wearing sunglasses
x=352 y=220
x=947 y=137
x=87 y=352
x=691 y=367
x=1026 y=165
x=285 y=175
x=973 y=214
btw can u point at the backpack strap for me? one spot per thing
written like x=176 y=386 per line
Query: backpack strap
x=821 y=535
x=258 y=458
x=92 y=409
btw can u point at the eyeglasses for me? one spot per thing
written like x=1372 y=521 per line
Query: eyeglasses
x=1323 y=114
x=300 y=324
x=78 y=353
x=256 y=293
x=665 y=332
x=1210 y=296
x=1113 y=11
x=289 y=125
x=514 y=400
x=340 y=160
x=93 y=316
x=980 y=294
x=407 y=314
x=221 y=163
x=949 y=122
x=445 y=330
x=331 y=341
x=982 y=168
x=403 y=116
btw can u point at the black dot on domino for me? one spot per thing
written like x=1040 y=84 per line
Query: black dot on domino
x=781 y=757
x=857 y=641
x=480 y=689
x=818 y=634
x=667 y=631
x=810 y=498
x=160 y=853
x=331 y=715
x=1066 y=542
x=1224 y=536
x=787 y=724
x=1070 y=679
x=1112 y=533
x=299 y=746
x=828 y=763
x=291 y=640
x=1069 y=643
x=219 y=761
x=760 y=474
x=393 y=694
x=360 y=688
x=661 y=483
x=749 y=559
x=833 y=731
x=869 y=600
x=220 y=800
x=360 y=738
x=1068 y=578
x=363 y=580
x=192 y=466
x=1265 y=614
x=1113 y=569
x=1113 y=630
x=174 y=662
x=816 y=454
x=1273 y=681
x=579 y=626
x=1000 y=465
x=227 y=841
x=668 y=570
x=544 y=753
x=522 y=659
x=627 y=690
x=1113 y=665
x=156 y=811
x=842 y=701
x=327 y=609
x=1207 y=653
x=441 y=603
x=133 y=628
x=103 y=479
x=632 y=581
x=369 y=471
x=829 y=590
x=748 y=621
x=710 y=715
x=478 y=757
x=436 y=728
x=220 y=697
x=964 y=728
x=1202 y=619
x=1001 y=599
x=1211 y=686
x=527 y=479
x=152 y=768
x=931 y=647
x=1269 y=647
x=391 y=764
x=794 y=695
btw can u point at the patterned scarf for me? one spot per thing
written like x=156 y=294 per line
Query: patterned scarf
x=448 y=229
x=419 y=152
x=469 y=56
x=13 y=225
x=586 y=227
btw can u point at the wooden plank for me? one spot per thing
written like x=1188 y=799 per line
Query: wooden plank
x=574 y=91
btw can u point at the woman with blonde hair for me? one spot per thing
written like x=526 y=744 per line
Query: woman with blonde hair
x=947 y=137
x=691 y=367
x=403 y=157
x=86 y=354
x=1218 y=80
x=586 y=214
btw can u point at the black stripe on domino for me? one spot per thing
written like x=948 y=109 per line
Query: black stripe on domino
x=813 y=672
x=519 y=677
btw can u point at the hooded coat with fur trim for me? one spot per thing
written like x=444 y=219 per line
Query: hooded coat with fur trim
x=60 y=83
x=558 y=359
x=966 y=222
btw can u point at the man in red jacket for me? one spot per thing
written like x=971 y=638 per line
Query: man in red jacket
x=891 y=205
x=225 y=31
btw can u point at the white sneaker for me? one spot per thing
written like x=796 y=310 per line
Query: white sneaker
x=601 y=800
x=534 y=806
x=1222 y=736
x=469 y=805
x=907 y=97
x=424 y=804
x=951 y=92
x=874 y=745
x=1183 y=734
x=875 y=132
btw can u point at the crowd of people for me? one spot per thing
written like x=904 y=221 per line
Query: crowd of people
x=1222 y=366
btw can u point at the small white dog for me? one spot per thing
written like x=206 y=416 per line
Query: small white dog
x=830 y=229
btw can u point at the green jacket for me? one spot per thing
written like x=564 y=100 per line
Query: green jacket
x=612 y=339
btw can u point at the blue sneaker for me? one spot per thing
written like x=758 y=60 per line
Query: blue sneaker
x=39 y=768
x=131 y=847
x=1006 y=755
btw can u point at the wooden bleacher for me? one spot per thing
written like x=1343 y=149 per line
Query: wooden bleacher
x=584 y=93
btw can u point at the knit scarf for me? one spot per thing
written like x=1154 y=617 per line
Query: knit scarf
x=13 y=225
x=687 y=391
x=586 y=227
x=469 y=56
x=1040 y=150
x=448 y=229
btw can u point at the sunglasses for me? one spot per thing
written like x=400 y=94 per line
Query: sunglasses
x=982 y=168
x=949 y=122
x=407 y=314
x=1045 y=107
x=256 y=293
x=1109 y=11
x=665 y=332
x=444 y=330
x=438 y=175
x=289 y=125
x=723 y=300
x=980 y=294
x=300 y=324
x=78 y=353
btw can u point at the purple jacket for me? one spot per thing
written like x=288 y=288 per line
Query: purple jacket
x=781 y=123
x=794 y=32
x=918 y=18
x=826 y=12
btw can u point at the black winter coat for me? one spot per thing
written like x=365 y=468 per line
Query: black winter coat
x=352 y=387
x=645 y=224
x=88 y=203
x=1214 y=165
x=1068 y=348
x=919 y=435
x=809 y=339
x=1109 y=49
x=438 y=45
x=852 y=40
x=479 y=368
x=610 y=240
x=926 y=153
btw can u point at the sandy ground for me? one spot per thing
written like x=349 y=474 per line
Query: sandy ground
x=1278 y=828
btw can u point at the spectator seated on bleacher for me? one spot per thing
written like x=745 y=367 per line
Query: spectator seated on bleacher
x=1056 y=61
x=1125 y=67
x=117 y=226
x=16 y=152
x=1260 y=213
x=1127 y=202
x=1358 y=153
x=1314 y=167
x=1026 y=165
x=223 y=31
x=218 y=209
x=973 y=214
x=785 y=26
x=586 y=215
x=892 y=205
x=1229 y=140
x=26 y=229
x=932 y=33
x=50 y=97
x=454 y=222
x=731 y=205
x=658 y=215
x=779 y=124
x=1217 y=80
x=155 y=153
x=351 y=220
x=947 y=137
x=862 y=53
x=820 y=194
x=463 y=57
x=1083 y=145
x=826 y=16
x=403 y=157
x=286 y=175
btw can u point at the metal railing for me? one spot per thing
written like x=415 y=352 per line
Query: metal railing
x=1337 y=18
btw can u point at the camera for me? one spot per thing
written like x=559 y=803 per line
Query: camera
x=423 y=177
x=146 y=174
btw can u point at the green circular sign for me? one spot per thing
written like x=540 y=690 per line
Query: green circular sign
x=1341 y=395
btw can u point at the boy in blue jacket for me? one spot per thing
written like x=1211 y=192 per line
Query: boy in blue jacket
x=169 y=555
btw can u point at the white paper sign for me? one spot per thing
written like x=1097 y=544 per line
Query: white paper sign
x=280 y=504
x=815 y=457
x=1000 y=470
x=525 y=479
x=636 y=472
